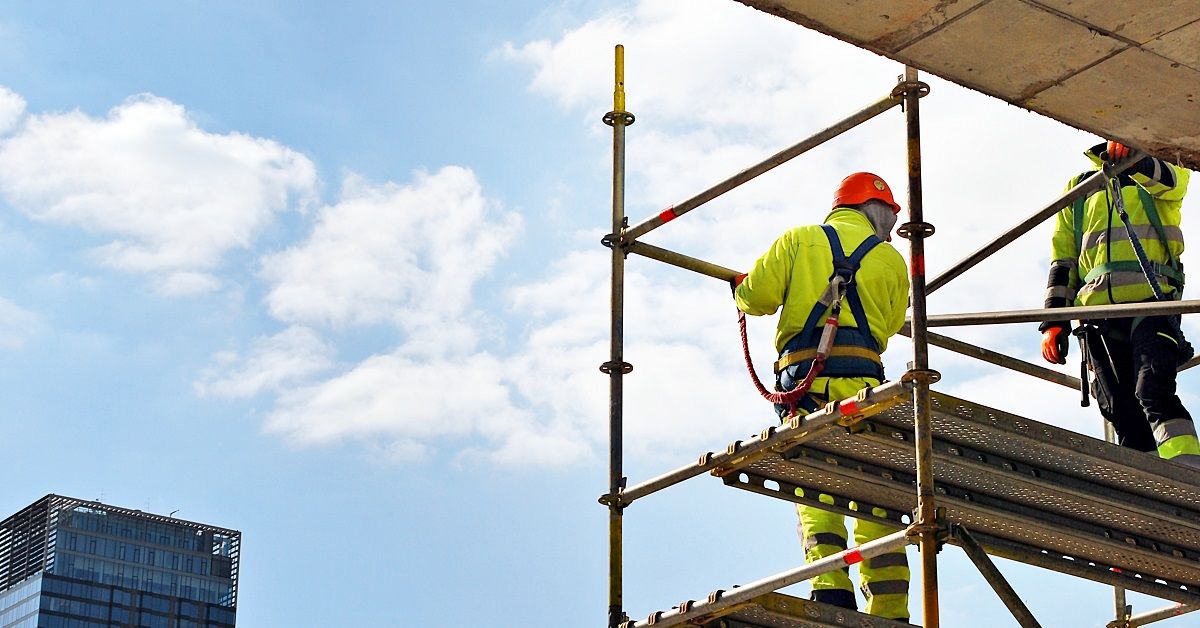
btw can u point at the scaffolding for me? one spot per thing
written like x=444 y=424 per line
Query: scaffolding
x=1005 y=485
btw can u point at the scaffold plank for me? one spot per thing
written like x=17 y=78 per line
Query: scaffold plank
x=776 y=610
x=1035 y=488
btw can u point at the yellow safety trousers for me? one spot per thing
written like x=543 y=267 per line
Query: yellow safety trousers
x=823 y=533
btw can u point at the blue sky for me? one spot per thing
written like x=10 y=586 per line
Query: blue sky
x=331 y=275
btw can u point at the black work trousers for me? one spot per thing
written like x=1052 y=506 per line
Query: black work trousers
x=1133 y=376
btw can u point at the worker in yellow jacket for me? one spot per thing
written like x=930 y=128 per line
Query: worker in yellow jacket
x=795 y=274
x=1094 y=261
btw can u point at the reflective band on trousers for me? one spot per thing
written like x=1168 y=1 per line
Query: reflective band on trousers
x=893 y=559
x=1179 y=446
x=1167 y=430
x=824 y=538
x=885 y=587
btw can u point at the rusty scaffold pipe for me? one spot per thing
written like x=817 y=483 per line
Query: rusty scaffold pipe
x=723 y=599
x=778 y=159
x=616 y=366
x=794 y=431
x=1079 y=312
x=925 y=525
x=1159 y=615
x=1088 y=185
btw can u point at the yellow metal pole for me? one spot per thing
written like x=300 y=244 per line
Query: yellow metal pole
x=619 y=83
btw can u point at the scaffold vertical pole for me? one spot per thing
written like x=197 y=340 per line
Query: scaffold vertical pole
x=616 y=367
x=916 y=230
x=1120 y=603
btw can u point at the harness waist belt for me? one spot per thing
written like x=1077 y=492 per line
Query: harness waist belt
x=838 y=351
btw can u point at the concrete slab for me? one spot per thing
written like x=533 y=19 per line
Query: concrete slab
x=1092 y=64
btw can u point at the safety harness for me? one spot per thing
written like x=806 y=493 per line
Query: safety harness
x=1172 y=271
x=832 y=351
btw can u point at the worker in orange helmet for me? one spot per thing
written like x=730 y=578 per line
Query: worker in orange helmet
x=796 y=273
x=1099 y=257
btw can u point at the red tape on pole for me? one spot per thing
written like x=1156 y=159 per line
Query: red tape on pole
x=918 y=265
x=853 y=556
x=668 y=215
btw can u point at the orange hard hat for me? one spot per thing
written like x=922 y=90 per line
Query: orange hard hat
x=861 y=187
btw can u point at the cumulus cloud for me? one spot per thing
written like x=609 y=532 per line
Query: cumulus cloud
x=173 y=197
x=12 y=107
x=292 y=356
x=404 y=405
x=405 y=254
x=406 y=257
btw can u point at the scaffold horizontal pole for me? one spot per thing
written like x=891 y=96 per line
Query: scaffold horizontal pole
x=766 y=165
x=1083 y=569
x=719 y=600
x=682 y=261
x=1086 y=312
x=1082 y=189
x=792 y=432
x=999 y=359
x=1150 y=617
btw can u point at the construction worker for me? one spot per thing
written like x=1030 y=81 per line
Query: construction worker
x=796 y=273
x=1095 y=261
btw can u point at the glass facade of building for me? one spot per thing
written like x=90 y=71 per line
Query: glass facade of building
x=67 y=563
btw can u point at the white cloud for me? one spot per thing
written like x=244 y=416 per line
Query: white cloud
x=406 y=257
x=12 y=108
x=401 y=406
x=409 y=254
x=292 y=356
x=16 y=325
x=173 y=197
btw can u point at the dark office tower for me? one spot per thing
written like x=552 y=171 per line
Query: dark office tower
x=70 y=563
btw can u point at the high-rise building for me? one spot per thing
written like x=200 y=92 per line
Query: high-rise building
x=72 y=563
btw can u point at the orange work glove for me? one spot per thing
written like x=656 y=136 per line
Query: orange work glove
x=1054 y=345
x=1116 y=151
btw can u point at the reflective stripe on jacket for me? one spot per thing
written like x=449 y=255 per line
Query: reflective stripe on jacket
x=1105 y=240
x=795 y=271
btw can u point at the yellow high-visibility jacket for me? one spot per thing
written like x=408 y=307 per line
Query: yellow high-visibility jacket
x=1102 y=269
x=796 y=270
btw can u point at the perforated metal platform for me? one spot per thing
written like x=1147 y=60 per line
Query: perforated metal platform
x=776 y=610
x=1028 y=490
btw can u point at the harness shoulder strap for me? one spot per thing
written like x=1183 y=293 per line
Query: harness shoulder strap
x=847 y=267
x=1151 y=210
